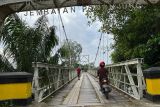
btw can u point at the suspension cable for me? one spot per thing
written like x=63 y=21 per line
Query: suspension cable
x=98 y=47
x=63 y=25
x=65 y=34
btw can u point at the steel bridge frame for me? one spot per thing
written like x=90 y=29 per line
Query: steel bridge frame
x=127 y=77
x=48 y=79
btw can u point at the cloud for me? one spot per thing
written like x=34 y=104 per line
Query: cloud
x=77 y=29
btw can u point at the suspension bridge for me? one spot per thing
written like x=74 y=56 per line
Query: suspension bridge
x=126 y=79
x=54 y=86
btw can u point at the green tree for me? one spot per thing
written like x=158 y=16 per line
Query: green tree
x=70 y=52
x=136 y=31
x=25 y=44
x=5 y=65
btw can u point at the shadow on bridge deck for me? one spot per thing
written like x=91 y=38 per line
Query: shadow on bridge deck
x=85 y=93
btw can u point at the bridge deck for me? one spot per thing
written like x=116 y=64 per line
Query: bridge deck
x=85 y=93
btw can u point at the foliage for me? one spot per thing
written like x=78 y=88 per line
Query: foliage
x=5 y=65
x=25 y=44
x=136 y=31
x=152 y=54
x=70 y=52
x=111 y=16
x=48 y=37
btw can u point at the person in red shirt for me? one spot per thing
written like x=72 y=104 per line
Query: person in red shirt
x=102 y=73
x=78 y=72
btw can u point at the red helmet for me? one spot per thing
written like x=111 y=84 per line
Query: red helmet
x=102 y=64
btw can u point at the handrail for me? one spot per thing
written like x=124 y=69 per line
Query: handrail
x=49 y=78
x=127 y=62
x=127 y=77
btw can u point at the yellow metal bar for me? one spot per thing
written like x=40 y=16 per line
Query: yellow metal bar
x=153 y=86
x=15 y=91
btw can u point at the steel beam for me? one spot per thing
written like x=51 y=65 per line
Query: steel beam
x=123 y=79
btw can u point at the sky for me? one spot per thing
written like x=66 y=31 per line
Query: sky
x=77 y=29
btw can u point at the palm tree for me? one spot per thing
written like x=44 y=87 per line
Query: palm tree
x=5 y=65
x=25 y=44
x=48 y=38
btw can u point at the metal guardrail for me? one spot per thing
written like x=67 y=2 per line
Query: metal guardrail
x=126 y=76
x=49 y=78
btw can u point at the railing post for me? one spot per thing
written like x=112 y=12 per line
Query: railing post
x=59 y=75
x=140 y=80
x=132 y=82
x=120 y=77
x=47 y=68
x=116 y=76
x=70 y=75
x=125 y=88
x=36 y=79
